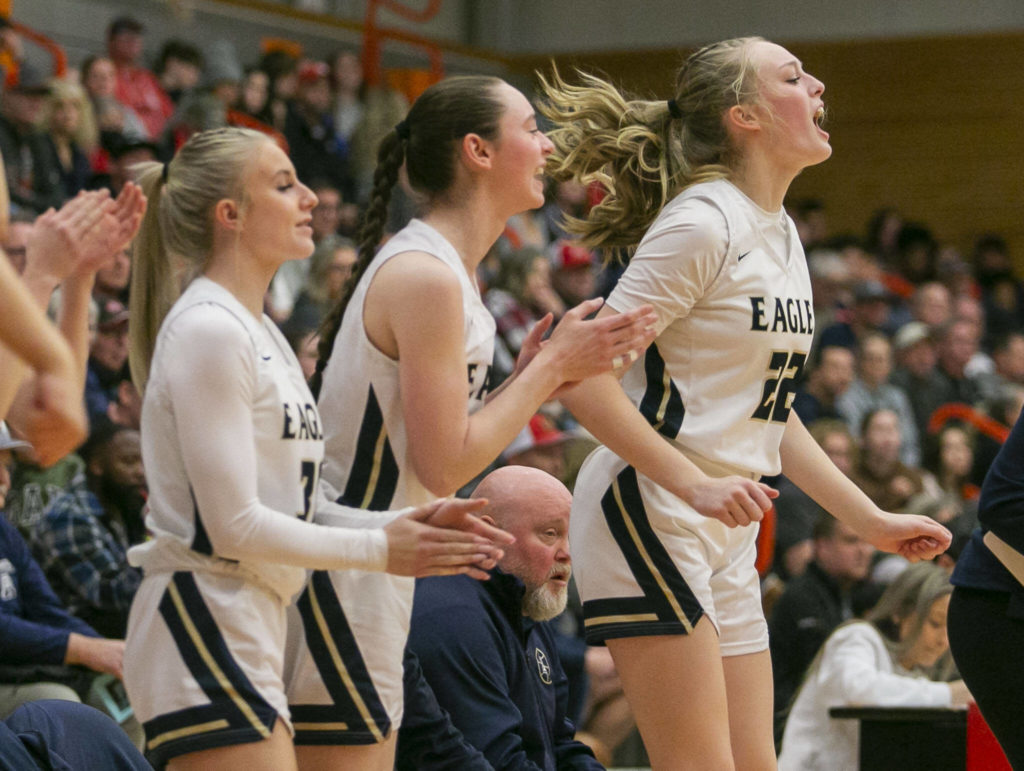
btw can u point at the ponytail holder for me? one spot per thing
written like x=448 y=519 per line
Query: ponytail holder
x=164 y=172
x=402 y=129
x=674 y=110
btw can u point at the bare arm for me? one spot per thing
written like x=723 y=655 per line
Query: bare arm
x=810 y=469
x=602 y=407
x=421 y=320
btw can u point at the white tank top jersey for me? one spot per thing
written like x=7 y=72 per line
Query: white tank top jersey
x=286 y=432
x=730 y=286
x=367 y=465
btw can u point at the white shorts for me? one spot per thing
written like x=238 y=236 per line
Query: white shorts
x=346 y=641
x=203 y=662
x=648 y=564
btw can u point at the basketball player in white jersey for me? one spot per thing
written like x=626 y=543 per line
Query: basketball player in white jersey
x=663 y=532
x=232 y=443
x=404 y=366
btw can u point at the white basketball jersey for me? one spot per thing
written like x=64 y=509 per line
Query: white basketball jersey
x=367 y=465
x=286 y=426
x=730 y=286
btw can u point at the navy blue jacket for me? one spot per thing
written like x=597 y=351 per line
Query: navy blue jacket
x=496 y=673
x=1001 y=510
x=34 y=626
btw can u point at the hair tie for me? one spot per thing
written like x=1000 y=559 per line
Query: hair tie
x=402 y=129
x=165 y=172
x=674 y=110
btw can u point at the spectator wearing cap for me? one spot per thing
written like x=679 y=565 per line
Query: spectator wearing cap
x=572 y=273
x=316 y=148
x=223 y=74
x=871 y=390
x=123 y=154
x=38 y=636
x=137 y=87
x=83 y=538
x=33 y=172
x=915 y=373
x=108 y=355
x=870 y=313
x=540 y=445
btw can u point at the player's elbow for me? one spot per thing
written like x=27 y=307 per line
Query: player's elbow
x=437 y=478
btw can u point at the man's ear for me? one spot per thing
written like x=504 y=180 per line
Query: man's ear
x=226 y=213
x=477 y=153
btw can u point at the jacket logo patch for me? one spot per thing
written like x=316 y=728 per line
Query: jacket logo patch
x=543 y=668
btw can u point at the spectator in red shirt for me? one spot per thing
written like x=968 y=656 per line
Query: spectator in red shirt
x=137 y=87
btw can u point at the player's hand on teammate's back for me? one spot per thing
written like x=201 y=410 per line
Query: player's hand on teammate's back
x=444 y=538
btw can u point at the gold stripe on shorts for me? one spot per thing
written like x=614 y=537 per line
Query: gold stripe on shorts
x=208 y=659
x=621 y=619
x=672 y=601
x=180 y=733
x=339 y=664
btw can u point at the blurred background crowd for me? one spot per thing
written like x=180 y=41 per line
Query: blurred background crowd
x=917 y=371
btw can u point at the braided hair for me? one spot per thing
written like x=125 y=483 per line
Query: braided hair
x=427 y=142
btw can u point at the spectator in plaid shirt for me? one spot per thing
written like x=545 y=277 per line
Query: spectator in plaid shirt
x=82 y=540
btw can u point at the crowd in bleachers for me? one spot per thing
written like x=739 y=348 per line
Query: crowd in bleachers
x=916 y=376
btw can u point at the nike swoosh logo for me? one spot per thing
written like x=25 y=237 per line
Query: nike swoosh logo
x=266 y=358
x=742 y=256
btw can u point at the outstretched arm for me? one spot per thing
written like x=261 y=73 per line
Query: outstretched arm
x=809 y=468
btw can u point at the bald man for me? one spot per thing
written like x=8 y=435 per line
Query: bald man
x=484 y=646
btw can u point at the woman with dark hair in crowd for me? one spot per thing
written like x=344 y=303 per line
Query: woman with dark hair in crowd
x=404 y=380
x=232 y=444
x=283 y=81
x=661 y=535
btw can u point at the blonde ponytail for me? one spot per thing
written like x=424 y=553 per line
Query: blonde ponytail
x=642 y=152
x=176 y=236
